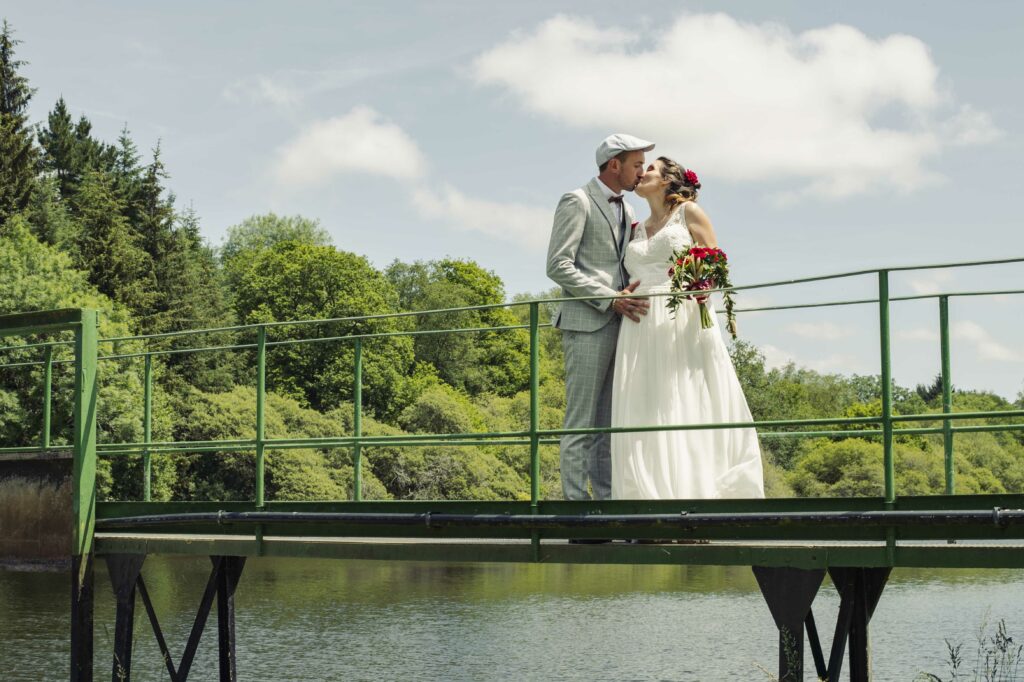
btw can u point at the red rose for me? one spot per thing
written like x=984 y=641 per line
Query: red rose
x=691 y=177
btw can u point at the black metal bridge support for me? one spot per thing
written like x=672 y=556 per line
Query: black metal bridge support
x=81 y=617
x=126 y=579
x=790 y=592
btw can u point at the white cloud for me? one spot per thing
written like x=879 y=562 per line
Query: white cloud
x=831 y=109
x=745 y=300
x=970 y=126
x=819 y=331
x=362 y=142
x=261 y=89
x=985 y=345
x=837 y=362
x=289 y=87
x=519 y=223
x=918 y=334
x=359 y=142
x=930 y=281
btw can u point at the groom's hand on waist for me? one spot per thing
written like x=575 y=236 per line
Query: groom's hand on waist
x=633 y=308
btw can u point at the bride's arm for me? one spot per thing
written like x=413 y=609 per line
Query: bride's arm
x=699 y=224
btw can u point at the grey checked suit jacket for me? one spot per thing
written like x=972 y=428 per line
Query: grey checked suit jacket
x=583 y=257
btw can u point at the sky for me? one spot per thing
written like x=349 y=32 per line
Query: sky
x=829 y=137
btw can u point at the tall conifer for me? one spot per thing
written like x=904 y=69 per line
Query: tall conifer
x=18 y=155
x=70 y=151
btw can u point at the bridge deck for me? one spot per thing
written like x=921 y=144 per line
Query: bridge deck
x=802 y=554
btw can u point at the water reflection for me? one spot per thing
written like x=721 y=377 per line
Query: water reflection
x=322 y=619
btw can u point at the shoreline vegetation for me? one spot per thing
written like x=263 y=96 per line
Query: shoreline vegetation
x=86 y=222
x=993 y=658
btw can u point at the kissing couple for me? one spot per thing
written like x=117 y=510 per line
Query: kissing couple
x=629 y=361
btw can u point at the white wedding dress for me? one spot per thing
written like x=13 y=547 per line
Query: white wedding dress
x=670 y=371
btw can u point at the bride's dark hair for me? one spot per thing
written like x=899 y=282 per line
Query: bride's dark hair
x=679 y=189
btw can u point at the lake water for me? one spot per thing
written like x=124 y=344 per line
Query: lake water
x=303 y=619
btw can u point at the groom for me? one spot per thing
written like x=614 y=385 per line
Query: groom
x=588 y=240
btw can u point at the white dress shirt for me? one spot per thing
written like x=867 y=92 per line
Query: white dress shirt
x=617 y=207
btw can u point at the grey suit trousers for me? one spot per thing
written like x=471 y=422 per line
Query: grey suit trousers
x=589 y=367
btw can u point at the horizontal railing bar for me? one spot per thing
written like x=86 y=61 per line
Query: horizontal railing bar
x=169 y=449
x=981 y=428
x=864 y=301
x=488 y=437
x=287 y=342
x=331 y=320
x=365 y=443
x=965 y=264
x=806 y=280
x=492 y=306
x=198 y=443
x=177 y=351
x=952 y=294
x=795 y=306
x=383 y=441
x=184 y=332
x=40 y=344
x=31 y=363
x=684 y=520
x=246 y=346
x=712 y=426
x=942 y=416
x=34 y=448
x=418 y=332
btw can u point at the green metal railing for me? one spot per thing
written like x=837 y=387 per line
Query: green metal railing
x=83 y=325
x=533 y=437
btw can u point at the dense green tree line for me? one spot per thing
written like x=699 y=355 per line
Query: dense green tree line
x=87 y=223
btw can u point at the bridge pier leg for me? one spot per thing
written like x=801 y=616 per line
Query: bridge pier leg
x=124 y=572
x=126 y=579
x=859 y=592
x=81 y=617
x=789 y=593
x=227 y=581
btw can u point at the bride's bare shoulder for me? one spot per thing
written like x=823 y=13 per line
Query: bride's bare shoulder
x=691 y=209
x=699 y=225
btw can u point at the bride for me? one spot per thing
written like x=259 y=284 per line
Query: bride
x=669 y=371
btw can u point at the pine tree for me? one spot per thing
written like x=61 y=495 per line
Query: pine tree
x=151 y=210
x=18 y=155
x=126 y=171
x=48 y=215
x=194 y=297
x=70 y=151
x=108 y=249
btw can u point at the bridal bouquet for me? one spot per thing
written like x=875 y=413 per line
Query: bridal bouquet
x=699 y=269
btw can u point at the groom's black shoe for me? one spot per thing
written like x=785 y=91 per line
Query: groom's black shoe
x=589 y=541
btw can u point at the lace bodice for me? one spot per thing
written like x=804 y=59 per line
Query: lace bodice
x=647 y=260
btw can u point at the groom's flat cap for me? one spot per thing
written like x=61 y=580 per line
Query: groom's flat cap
x=613 y=145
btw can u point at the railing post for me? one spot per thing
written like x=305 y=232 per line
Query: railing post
x=947 y=394
x=883 y=327
x=261 y=392
x=534 y=424
x=357 y=423
x=83 y=497
x=534 y=407
x=147 y=430
x=47 y=397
